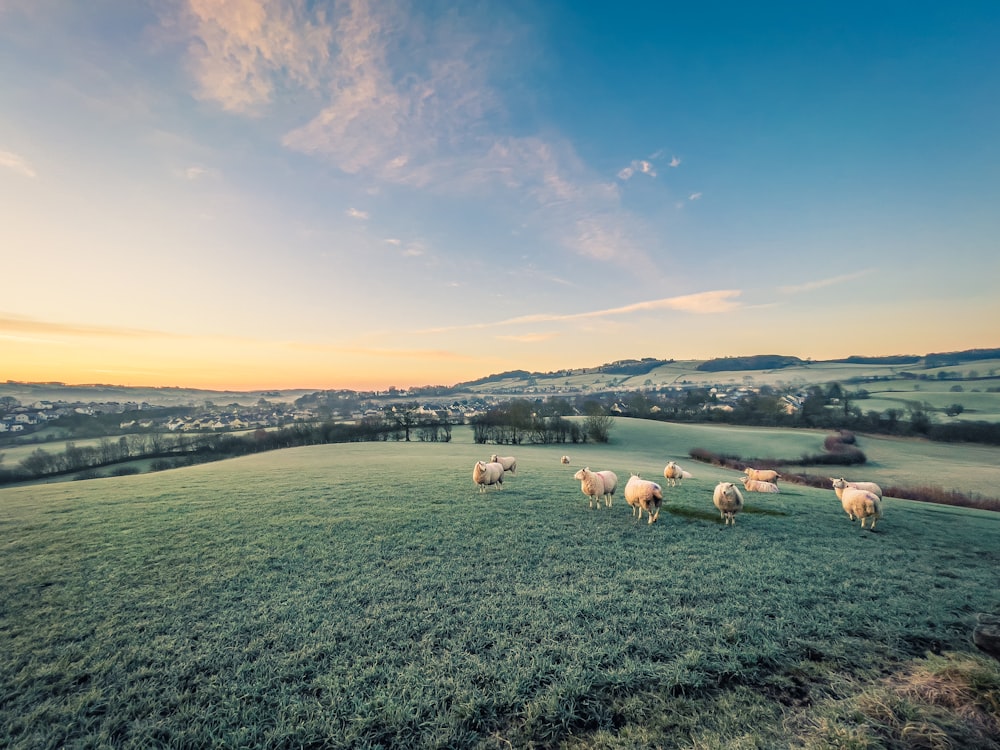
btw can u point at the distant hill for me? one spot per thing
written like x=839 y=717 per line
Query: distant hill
x=755 y=362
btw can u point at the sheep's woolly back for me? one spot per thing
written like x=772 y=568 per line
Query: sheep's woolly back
x=755 y=485
x=509 y=463
x=644 y=495
x=841 y=483
x=762 y=475
x=861 y=504
x=610 y=482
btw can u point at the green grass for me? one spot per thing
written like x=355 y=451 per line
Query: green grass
x=365 y=595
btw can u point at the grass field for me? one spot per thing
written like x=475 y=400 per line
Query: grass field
x=365 y=595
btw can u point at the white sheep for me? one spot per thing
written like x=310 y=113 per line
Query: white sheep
x=867 y=486
x=858 y=503
x=509 y=463
x=674 y=474
x=597 y=485
x=755 y=485
x=644 y=495
x=862 y=504
x=485 y=474
x=763 y=475
x=729 y=500
x=564 y=460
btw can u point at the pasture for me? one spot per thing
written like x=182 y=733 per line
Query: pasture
x=365 y=595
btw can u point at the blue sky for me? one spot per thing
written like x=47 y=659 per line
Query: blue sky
x=251 y=193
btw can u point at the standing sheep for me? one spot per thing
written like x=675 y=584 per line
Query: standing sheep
x=597 y=485
x=485 y=474
x=858 y=503
x=763 y=475
x=755 y=485
x=644 y=495
x=564 y=460
x=729 y=500
x=509 y=463
x=841 y=483
x=674 y=474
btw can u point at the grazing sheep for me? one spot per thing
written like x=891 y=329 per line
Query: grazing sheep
x=509 y=463
x=485 y=474
x=644 y=495
x=674 y=474
x=729 y=500
x=858 y=503
x=762 y=475
x=564 y=460
x=755 y=485
x=841 y=483
x=597 y=485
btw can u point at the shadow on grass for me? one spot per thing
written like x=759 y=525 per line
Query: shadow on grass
x=713 y=515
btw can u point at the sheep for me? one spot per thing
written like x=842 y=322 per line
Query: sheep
x=509 y=463
x=763 y=475
x=862 y=504
x=858 y=503
x=674 y=474
x=485 y=474
x=729 y=500
x=755 y=485
x=564 y=460
x=597 y=485
x=868 y=486
x=644 y=495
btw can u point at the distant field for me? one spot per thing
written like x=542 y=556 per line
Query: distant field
x=364 y=595
x=645 y=446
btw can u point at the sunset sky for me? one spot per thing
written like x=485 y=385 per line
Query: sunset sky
x=320 y=194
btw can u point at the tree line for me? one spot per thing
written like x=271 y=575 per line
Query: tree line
x=166 y=451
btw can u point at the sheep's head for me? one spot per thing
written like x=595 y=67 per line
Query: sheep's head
x=838 y=484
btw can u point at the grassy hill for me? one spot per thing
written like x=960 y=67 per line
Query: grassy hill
x=365 y=595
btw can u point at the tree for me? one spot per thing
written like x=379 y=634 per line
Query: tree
x=598 y=423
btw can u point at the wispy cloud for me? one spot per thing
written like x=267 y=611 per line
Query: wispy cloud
x=821 y=283
x=702 y=303
x=528 y=338
x=12 y=325
x=429 y=125
x=675 y=162
x=355 y=213
x=238 y=50
x=694 y=197
x=196 y=172
x=638 y=166
x=17 y=163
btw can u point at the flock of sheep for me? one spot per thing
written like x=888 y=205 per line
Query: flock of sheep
x=860 y=500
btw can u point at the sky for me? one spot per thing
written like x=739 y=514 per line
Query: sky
x=245 y=194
